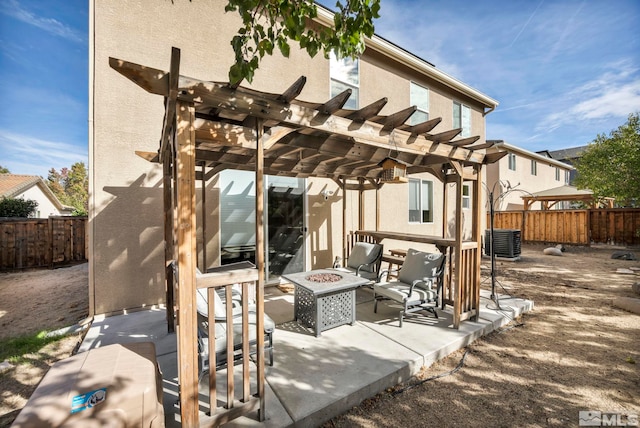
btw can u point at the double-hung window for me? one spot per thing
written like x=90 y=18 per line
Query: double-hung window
x=345 y=75
x=534 y=167
x=512 y=161
x=420 y=201
x=462 y=118
x=557 y=174
x=420 y=98
x=466 y=196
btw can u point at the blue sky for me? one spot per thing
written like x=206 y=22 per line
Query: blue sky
x=563 y=71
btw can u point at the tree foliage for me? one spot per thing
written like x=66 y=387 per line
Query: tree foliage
x=71 y=187
x=269 y=24
x=4 y=170
x=610 y=165
x=17 y=207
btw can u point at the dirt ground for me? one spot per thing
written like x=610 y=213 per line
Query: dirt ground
x=574 y=352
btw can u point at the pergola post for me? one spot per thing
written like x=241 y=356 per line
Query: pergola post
x=260 y=263
x=476 y=234
x=168 y=237
x=458 y=286
x=186 y=244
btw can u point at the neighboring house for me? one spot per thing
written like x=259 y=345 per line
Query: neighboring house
x=304 y=215
x=568 y=156
x=522 y=173
x=33 y=187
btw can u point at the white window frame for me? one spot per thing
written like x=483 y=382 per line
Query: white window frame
x=534 y=167
x=463 y=120
x=422 y=109
x=466 y=196
x=338 y=84
x=512 y=161
x=421 y=205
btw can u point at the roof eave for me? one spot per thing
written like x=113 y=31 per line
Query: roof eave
x=325 y=17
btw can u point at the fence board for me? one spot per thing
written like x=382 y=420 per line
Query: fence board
x=32 y=243
x=615 y=226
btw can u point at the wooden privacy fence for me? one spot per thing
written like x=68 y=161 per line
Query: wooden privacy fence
x=42 y=242
x=616 y=226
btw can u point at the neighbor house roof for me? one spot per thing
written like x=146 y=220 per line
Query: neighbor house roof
x=568 y=154
x=12 y=185
x=533 y=155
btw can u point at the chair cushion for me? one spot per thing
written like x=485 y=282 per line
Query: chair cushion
x=364 y=253
x=419 y=265
x=399 y=292
x=221 y=339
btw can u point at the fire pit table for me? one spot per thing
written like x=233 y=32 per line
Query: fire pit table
x=324 y=298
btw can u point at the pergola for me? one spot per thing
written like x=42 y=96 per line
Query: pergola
x=209 y=127
x=548 y=198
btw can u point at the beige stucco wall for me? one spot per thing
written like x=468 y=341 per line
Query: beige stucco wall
x=522 y=180
x=126 y=219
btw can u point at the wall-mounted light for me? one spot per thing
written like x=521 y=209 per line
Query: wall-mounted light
x=326 y=193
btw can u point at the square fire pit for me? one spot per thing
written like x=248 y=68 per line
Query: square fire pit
x=324 y=298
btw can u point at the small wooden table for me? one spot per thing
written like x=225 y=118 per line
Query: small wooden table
x=324 y=305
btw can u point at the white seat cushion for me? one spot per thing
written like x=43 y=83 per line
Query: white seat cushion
x=399 y=292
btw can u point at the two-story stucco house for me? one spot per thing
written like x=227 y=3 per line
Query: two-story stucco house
x=305 y=216
x=522 y=173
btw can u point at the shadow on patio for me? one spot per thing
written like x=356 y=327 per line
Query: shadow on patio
x=316 y=378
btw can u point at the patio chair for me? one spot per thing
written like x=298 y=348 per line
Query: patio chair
x=221 y=330
x=418 y=285
x=364 y=260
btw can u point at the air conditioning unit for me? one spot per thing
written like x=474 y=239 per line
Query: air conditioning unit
x=507 y=243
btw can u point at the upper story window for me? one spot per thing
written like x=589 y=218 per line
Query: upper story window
x=462 y=118
x=567 y=177
x=345 y=74
x=534 y=167
x=557 y=174
x=512 y=161
x=466 y=196
x=419 y=98
x=420 y=201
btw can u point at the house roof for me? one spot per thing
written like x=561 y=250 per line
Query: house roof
x=533 y=155
x=567 y=154
x=562 y=191
x=301 y=139
x=12 y=185
x=391 y=50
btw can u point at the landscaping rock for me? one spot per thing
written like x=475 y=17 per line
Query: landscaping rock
x=623 y=255
x=628 y=304
x=636 y=287
x=5 y=365
x=552 y=251
x=625 y=271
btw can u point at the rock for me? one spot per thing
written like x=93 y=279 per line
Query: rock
x=552 y=251
x=636 y=287
x=628 y=304
x=625 y=271
x=5 y=365
x=623 y=255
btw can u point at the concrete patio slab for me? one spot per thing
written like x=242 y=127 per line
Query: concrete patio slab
x=316 y=378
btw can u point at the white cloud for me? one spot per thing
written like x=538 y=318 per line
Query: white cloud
x=614 y=94
x=12 y=8
x=25 y=154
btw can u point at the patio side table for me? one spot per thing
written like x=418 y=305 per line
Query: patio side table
x=324 y=305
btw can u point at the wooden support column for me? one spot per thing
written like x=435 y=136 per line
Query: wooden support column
x=203 y=203
x=377 y=208
x=361 y=205
x=343 y=185
x=477 y=236
x=260 y=250
x=445 y=202
x=187 y=255
x=168 y=237
x=457 y=294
